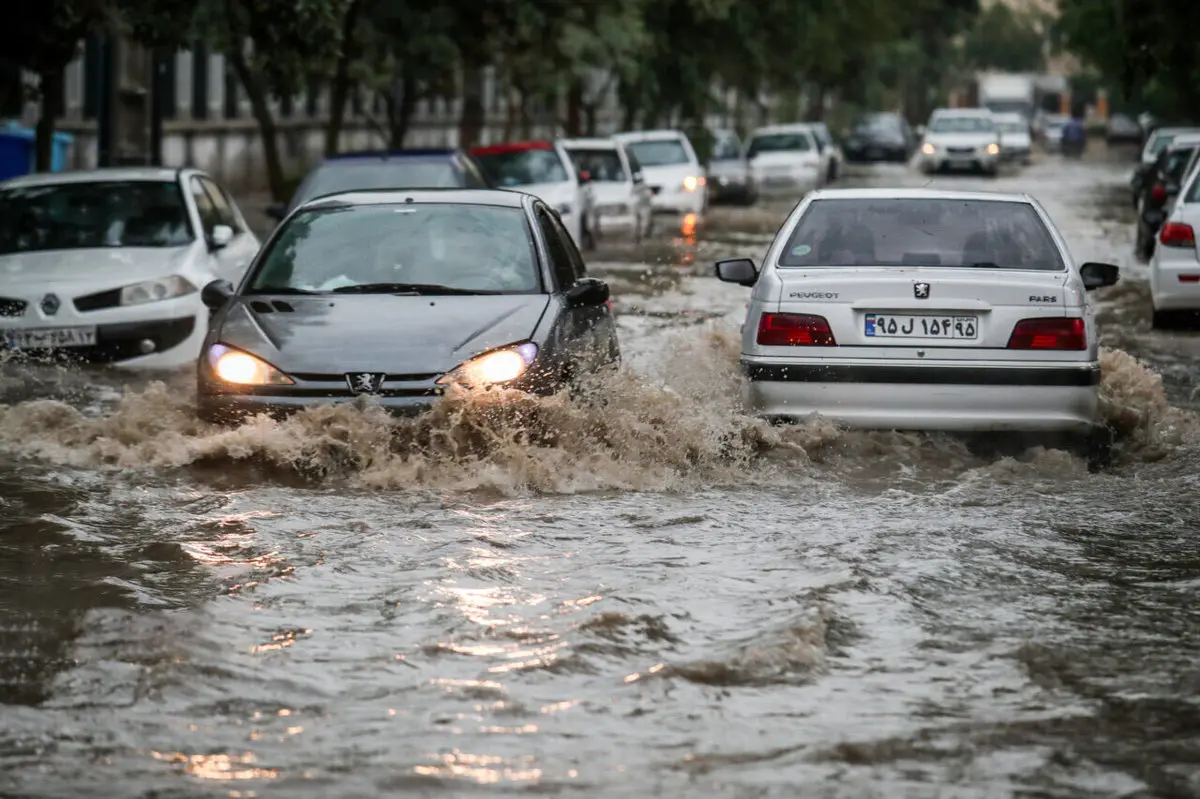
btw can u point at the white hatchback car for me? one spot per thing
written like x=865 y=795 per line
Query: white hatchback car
x=671 y=170
x=961 y=138
x=621 y=195
x=1175 y=264
x=922 y=310
x=107 y=265
x=787 y=159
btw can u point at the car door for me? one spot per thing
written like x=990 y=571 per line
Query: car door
x=219 y=262
x=574 y=335
x=235 y=257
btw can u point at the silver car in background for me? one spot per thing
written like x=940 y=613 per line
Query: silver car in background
x=729 y=176
x=922 y=310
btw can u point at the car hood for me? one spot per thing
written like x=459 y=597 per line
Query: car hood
x=784 y=158
x=1016 y=139
x=112 y=266
x=378 y=333
x=961 y=139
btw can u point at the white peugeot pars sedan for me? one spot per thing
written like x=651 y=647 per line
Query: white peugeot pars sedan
x=107 y=265
x=923 y=310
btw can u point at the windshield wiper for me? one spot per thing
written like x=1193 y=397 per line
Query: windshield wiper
x=280 y=290
x=407 y=288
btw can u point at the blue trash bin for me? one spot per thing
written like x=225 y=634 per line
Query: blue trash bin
x=60 y=151
x=18 y=153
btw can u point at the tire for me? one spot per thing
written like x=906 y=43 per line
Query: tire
x=1096 y=447
x=1162 y=320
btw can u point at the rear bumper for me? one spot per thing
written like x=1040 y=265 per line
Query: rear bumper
x=1167 y=291
x=1050 y=398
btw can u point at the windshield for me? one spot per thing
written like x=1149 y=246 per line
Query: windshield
x=1177 y=160
x=1159 y=143
x=1012 y=127
x=523 y=167
x=466 y=247
x=779 y=142
x=660 y=152
x=921 y=232
x=879 y=123
x=333 y=177
x=962 y=125
x=604 y=166
x=727 y=148
x=68 y=216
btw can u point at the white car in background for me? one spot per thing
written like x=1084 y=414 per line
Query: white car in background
x=107 y=265
x=1175 y=264
x=1016 y=140
x=786 y=160
x=916 y=309
x=544 y=169
x=830 y=151
x=961 y=139
x=619 y=189
x=673 y=173
x=1052 y=131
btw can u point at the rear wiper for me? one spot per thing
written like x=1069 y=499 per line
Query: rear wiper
x=280 y=290
x=407 y=288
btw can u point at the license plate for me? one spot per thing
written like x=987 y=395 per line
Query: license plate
x=903 y=326
x=874 y=152
x=49 y=338
x=614 y=210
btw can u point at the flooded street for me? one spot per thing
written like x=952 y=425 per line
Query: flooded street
x=641 y=593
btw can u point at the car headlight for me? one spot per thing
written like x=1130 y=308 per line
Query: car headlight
x=691 y=183
x=563 y=208
x=993 y=149
x=165 y=288
x=928 y=148
x=498 y=366
x=243 y=369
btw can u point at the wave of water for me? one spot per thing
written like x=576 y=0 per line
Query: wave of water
x=630 y=432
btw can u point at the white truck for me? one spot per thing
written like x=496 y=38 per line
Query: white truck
x=1002 y=92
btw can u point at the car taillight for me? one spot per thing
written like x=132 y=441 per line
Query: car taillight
x=1049 y=334
x=1158 y=192
x=1177 y=234
x=794 y=330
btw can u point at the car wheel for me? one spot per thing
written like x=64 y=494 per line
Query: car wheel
x=1161 y=320
x=1096 y=447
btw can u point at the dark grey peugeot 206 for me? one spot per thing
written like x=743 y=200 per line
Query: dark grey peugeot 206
x=397 y=295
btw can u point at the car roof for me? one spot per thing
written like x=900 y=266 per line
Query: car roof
x=505 y=198
x=645 y=135
x=1175 y=130
x=513 y=147
x=414 y=154
x=606 y=144
x=150 y=173
x=961 y=112
x=919 y=194
x=1184 y=140
x=791 y=127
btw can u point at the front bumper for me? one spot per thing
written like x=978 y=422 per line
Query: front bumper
x=722 y=188
x=678 y=202
x=891 y=396
x=235 y=408
x=116 y=342
x=943 y=160
x=868 y=153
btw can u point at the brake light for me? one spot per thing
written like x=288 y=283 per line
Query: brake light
x=1049 y=334
x=1177 y=234
x=794 y=330
x=1189 y=278
x=1158 y=192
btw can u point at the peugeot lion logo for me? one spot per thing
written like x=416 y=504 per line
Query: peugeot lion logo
x=50 y=304
x=921 y=291
x=365 y=382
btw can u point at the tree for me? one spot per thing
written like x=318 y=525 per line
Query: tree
x=1005 y=40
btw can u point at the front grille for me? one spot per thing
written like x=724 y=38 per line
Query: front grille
x=960 y=150
x=11 y=307
x=313 y=377
x=655 y=189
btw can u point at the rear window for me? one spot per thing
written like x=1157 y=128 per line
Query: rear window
x=1177 y=161
x=333 y=177
x=660 y=152
x=1158 y=142
x=602 y=165
x=917 y=232
x=779 y=142
x=523 y=167
x=962 y=125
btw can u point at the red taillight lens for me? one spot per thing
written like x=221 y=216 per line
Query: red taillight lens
x=1158 y=192
x=1049 y=334
x=1189 y=278
x=1177 y=234
x=794 y=330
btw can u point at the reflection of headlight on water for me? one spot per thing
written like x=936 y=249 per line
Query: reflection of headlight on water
x=498 y=366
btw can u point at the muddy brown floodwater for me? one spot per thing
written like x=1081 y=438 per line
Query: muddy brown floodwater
x=645 y=595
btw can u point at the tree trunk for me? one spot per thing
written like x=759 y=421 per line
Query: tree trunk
x=52 y=91
x=816 y=105
x=340 y=90
x=256 y=92
x=574 y=124
x=470 y=125
x=401 y=103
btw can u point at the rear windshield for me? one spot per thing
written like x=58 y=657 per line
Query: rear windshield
x=1177 y=161
x=523 y=167
x=333 y=177
x=962 y=125
x=779 y=142
x=602 y=165
x=660 y=152
x=466 y=247
x=921 y=232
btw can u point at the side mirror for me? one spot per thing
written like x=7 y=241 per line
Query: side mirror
x=637 y=177
x=738 y=270
x=277 y=211
x=1097 y=275
x=588 y=291
x=220 y=237
x=585 y=176
x=214 y=295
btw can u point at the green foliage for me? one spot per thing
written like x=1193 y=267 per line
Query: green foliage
x=1005 y=40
